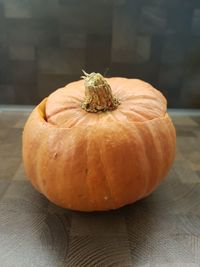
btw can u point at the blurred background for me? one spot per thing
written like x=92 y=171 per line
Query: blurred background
x=44 y=44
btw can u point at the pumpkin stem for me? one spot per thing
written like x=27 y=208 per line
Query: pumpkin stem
x=98 y=94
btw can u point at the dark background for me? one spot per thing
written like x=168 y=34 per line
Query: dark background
x=44 y=44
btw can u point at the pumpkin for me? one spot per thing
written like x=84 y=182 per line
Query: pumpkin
x=99 y=143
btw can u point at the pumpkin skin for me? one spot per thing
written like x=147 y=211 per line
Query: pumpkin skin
x=99 y=161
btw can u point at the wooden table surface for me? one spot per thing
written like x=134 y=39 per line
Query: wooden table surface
x=161 y=230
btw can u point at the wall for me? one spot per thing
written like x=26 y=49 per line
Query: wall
x=44 y=44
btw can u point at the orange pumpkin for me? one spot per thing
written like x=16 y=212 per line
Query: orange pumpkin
x=99 y=144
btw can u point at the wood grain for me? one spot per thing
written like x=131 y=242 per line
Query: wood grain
x=160 y=230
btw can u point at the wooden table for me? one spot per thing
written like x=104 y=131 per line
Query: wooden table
x=161 y=230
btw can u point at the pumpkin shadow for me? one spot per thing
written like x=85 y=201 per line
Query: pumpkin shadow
x=130 y=236
x=97 y=238
x=134 y=235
